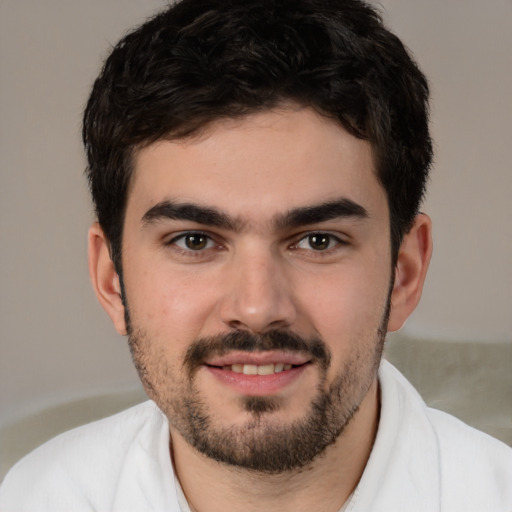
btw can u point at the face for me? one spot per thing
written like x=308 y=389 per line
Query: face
x=257 y=270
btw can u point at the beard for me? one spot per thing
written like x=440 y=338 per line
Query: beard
x=259 y=444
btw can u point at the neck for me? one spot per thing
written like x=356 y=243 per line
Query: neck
x=323 y=485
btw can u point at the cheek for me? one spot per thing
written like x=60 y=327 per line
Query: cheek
x=164 y=301
x=346 y=307
x=345 y=297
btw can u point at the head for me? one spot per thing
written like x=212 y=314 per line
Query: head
x=205 y=60
x=257 y=169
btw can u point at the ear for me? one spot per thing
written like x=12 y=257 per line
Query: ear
x=105 y=280
x=410 y=272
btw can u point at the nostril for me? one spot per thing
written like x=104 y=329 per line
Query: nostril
x=254 y=327
x=237 y=325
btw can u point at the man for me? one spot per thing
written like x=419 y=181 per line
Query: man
x=257 y=169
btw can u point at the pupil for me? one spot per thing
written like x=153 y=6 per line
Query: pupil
x=195 y=242
x=319 y=242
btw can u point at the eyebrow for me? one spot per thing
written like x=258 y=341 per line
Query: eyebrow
x=191 y=212
x=338 y=209
x=296 y=217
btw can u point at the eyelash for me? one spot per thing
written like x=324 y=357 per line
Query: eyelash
x=209 y=243
x=333 y=242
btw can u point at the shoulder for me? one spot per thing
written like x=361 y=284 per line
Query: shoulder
x=78 y=469
x=474 y=470
x=471 y=462
x=453 y=436
x=102 y=439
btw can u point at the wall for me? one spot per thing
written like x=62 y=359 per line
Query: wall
x=57 y=344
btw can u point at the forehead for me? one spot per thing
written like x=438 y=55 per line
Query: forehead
x=264 y=163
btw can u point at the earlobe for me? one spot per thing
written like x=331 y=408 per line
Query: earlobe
x=410 y=272
x=104 y=278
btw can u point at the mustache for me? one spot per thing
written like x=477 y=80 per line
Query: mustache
x=222 y=344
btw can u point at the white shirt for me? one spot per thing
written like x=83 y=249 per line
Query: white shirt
x=423 y=460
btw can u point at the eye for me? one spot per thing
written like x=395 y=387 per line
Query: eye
x=193 y=241
x=318 y=242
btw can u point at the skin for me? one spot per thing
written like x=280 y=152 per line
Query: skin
x=257 y=274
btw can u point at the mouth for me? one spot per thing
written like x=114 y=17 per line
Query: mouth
x=258 y=374
x=254 y=369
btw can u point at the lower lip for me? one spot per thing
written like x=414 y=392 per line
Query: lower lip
x=257 y=385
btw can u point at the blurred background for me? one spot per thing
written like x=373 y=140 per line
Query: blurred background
x=57 y=346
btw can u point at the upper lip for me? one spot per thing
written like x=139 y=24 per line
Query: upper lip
x=259 y=358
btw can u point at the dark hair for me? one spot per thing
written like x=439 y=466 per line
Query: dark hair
x=202 y=60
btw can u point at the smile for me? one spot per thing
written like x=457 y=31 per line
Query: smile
x=258 y=374
x=253 y=369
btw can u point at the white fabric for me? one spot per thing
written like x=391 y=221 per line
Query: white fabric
x=182 y=500
x=422 y=460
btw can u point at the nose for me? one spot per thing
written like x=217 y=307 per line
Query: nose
x=258 y=295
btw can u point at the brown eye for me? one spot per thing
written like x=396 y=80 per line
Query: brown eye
x=193 y=241
x=196 y=241
x=319 y=241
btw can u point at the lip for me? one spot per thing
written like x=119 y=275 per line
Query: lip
x=257 y=385
x=259 y=358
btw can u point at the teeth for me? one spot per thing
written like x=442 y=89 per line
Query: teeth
x=250 y=369
x=264 y=369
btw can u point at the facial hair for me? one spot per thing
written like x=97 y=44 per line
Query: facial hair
x=259 y=445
